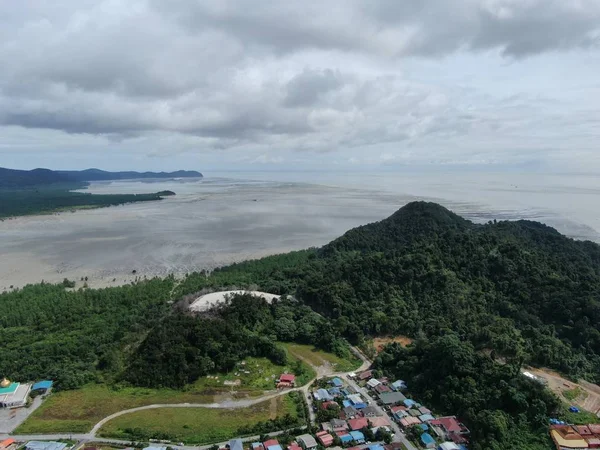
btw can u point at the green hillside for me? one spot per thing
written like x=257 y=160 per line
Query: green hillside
x=480 y=301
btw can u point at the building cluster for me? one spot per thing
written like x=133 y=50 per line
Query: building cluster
x=449 y=432
x=15 y=395
x=575 y=437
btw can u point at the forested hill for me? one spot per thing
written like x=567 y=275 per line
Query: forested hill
x=14 y=179
x=520 y=288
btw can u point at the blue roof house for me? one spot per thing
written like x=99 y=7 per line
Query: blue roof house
x=357 y=437
x=337 y=382
x=335 y=391
x=42 y=385
x=426 y=417
x=236 y=444
x=398 y=385
x=346 y=438
x=427 y=440
x=376 y=447
x=409 y=403
x=360 y=405
x=346 y=403
x=322 y=394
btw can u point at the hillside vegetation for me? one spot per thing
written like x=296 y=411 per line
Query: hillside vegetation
x=479 y=301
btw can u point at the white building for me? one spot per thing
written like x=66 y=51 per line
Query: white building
x=13 y=395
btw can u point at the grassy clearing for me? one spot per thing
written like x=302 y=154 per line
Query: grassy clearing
x=576 y=393
x=318 y=357
x=255 y=374
x=197 y=425
x=580 y=418
x=79 y=410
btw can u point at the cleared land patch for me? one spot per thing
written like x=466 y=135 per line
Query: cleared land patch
x=196 y=425
x=380 y=342
x=319 y=358
x=584 y=395
x=207 y=301
x=79 y=410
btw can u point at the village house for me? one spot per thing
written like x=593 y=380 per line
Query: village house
x=392 y=398
x=286 y=380
x=365 y=375
x=358 y=423
x=307 y=441
x=381 y=388
x=325 y=438
x=451 y=429
x=373 y=382
x=398 y=385
x=236 y=444
x=370 y=411
x=357 y=437
x=427 y=440
x=272 y=444
x=350 y=412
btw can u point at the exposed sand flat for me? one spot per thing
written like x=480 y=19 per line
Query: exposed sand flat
x=207 y=301
x=219 y=221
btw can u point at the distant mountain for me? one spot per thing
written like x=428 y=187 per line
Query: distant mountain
x=12 y=178
x=102 y=175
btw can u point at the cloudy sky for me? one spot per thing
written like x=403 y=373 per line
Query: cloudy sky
x=336 y=84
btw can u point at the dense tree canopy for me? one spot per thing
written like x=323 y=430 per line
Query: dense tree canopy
x=481 y=301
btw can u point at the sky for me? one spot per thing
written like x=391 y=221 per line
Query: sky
x=300 y=85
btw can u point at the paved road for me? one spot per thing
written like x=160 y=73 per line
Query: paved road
x=227 y=404
x=398 y=435
x=87 y=437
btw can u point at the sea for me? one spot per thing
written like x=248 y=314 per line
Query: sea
x=227 y=217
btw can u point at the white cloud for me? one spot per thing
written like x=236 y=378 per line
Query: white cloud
x=491 y=81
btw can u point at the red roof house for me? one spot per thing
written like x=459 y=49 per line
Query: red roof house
x=270 y=442
x=451 y=425
x=294 y=446
x=325 y=438
x=358 y=424
x=287 y=378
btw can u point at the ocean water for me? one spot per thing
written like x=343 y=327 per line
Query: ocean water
x=228 y=217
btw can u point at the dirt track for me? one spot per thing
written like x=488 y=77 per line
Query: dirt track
x=590 y=393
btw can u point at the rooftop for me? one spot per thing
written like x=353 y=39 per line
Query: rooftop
x=49 y=445
x=45 y=384
x=358 y=424
x=307 y=440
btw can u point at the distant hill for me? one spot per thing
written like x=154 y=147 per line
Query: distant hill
x=102 y=175
x=12 y=178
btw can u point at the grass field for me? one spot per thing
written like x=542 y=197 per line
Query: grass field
x=197 y=425
x=254 y=374
x=580 y=418
x=319 y=357
x=79 y=410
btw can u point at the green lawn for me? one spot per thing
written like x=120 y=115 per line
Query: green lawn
x=319 y=357
x=572 y=394
x=580 y=418
x=255 y=374
x=197 y=425
x=79 y=410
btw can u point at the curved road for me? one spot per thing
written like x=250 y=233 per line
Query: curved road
x=244 y=403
